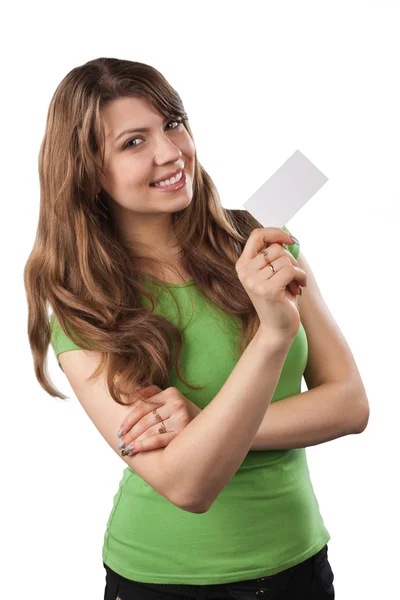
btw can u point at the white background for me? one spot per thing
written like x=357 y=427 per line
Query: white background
x=258 y=81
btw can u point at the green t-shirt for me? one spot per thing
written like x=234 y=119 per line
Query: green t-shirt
x=265 y=520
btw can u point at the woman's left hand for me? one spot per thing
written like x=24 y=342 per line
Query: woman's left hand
x=140 y=428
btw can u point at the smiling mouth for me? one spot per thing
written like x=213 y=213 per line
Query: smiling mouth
x=171 y=188
x=177 y=173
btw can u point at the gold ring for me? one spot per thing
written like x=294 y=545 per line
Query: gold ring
x=264 y=253
x=157 y=416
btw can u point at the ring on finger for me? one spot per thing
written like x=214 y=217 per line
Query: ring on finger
x=271 y=266
x=158 y=417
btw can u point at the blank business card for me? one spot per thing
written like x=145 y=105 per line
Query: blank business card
x=286 y=191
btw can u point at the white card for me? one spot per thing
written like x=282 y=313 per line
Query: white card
x=286 y=191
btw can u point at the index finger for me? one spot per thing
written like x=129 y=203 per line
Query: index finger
x=257 y=240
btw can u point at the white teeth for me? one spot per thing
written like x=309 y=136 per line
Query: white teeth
x=169 y=181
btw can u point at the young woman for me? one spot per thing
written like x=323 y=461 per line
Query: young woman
x=182 y=330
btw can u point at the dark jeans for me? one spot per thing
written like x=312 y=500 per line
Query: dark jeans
x=310 y=580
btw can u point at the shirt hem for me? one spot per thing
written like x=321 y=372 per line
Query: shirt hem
x=220 y=579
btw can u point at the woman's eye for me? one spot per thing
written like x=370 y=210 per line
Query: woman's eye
x=179 y=121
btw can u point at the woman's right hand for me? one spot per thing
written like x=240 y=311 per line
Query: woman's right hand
x=270 y=292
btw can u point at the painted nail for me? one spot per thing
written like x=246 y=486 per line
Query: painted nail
x=127 y=450
x=121 y=445
x=119 y=434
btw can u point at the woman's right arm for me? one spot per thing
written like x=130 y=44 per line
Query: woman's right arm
x=207 y=453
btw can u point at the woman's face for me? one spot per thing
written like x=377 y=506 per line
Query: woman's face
x=135 y=159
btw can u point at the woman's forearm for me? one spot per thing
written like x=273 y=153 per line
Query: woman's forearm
x=324 y=413
x=206 y=454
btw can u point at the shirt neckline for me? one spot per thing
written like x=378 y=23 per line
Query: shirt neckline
x=173 y=285
x=181 y=285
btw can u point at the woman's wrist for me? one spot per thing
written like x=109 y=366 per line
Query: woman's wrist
x=268 y=337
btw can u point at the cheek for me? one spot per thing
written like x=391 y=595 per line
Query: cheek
x=132 y=171
x=189 y=148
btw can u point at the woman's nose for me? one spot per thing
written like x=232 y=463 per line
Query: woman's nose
x=166 y=150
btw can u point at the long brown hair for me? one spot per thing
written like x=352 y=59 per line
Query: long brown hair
x=79 y=266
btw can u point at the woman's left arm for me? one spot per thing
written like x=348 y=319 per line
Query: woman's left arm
x=336 y=403
x=319 y=415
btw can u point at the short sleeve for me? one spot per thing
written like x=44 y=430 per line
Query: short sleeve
x=294 y=249
x=59 y=340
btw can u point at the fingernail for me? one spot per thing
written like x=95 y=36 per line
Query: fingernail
x=300 y=290
x=119 y=434
x=121 y=445
x=295 y=240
